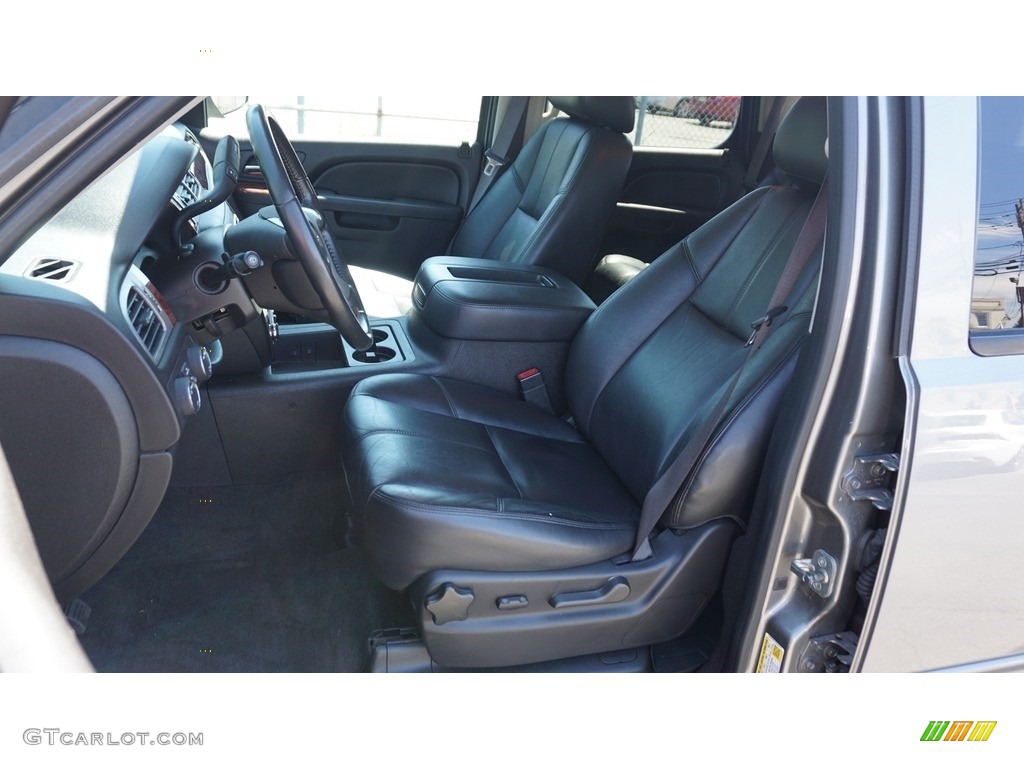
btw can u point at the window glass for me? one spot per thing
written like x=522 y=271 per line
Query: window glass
x=999 y=249
x=692 y=122
x=451 y=119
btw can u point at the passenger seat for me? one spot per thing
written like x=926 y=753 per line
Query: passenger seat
x=548 y=208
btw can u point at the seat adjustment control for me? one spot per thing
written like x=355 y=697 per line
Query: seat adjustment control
x=615 y=590
x=449 y=603
x=512 y=602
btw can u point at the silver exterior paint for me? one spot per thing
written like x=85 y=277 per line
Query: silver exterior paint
x=852 y=386
x=954 y=590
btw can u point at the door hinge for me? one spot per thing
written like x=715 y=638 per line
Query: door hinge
x=870 y=477
x=830 y=653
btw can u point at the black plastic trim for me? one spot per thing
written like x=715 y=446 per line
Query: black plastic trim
x=416 y=209
x=667 y=592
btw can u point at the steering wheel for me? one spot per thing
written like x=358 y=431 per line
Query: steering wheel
x=306 y=225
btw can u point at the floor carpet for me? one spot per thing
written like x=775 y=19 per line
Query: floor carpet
x=241 y=579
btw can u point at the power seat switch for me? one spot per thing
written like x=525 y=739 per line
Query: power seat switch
x=512 y=602
x=449 y=603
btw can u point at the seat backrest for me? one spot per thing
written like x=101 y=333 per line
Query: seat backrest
x=651 y=363
x=550 y=205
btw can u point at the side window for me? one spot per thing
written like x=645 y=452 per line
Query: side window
x=998 y=293
x=690 y=122
x=452 y=119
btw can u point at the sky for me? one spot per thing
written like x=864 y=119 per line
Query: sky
x=113 y=46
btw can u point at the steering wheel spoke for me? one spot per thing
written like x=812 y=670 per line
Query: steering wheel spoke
x=304 y=221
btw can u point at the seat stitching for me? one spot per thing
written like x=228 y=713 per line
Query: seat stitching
x=689 y=260
x=753 y=273
x=460 y=303
x=720 y=432
x=504 y=466
x=573 y=438
x=689 y=300
x=548 y=150
x=557 y=201
x=444 y=392
x=409 y=433
x=518 y=179
x=443 y=510
x=501 y=225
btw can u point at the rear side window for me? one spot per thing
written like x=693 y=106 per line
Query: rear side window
x=998 y=294
x=452 y=119
x=684 y=122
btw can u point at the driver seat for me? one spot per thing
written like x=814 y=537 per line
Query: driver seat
x=512 y=527
x=542 y=210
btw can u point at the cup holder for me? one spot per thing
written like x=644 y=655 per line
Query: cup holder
x=376 y=353
x=389 y=345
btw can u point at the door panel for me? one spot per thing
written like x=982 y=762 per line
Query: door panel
x=671 y=191
x=667 y=196
x=391 y=215
x=391 y=205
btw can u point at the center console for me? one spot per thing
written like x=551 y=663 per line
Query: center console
x=456 y=300
x=474 y=320
x=484 y=300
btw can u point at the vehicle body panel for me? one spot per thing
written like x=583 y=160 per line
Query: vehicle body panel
x=952 y=592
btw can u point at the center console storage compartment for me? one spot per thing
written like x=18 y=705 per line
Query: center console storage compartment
x=485 y=300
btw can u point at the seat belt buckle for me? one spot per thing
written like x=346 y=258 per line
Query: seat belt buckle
x=531 y=386
x=765 y=321
x=494 y=162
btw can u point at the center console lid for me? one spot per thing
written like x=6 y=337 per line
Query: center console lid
x=486 y=300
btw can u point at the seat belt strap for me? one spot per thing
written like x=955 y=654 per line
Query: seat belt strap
x=661 y=494
x=504 y=147
x=764 y=143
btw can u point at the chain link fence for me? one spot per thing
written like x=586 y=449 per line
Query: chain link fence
x=693 y=122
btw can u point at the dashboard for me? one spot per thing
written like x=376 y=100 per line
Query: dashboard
x=104 y=332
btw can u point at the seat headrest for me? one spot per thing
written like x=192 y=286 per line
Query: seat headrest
x=799 y=148
x=614 y=112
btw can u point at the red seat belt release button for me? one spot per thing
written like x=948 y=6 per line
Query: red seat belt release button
x=531 y=385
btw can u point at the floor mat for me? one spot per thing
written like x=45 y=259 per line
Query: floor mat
x=241 y=579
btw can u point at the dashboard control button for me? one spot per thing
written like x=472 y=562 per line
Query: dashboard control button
x=187 y=396
x=199 y=363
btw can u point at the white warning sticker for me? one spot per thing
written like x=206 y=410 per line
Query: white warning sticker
x=771 y=655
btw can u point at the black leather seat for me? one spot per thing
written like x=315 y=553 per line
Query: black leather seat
x=452 y=478
x=547 y=208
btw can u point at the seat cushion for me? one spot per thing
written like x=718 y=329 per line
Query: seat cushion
x=453 y=475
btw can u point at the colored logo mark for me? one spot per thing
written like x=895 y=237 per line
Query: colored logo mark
x=958 y=730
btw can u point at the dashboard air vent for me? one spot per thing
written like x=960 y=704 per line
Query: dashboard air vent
x=57 y=270
x=145 y=321
x=188 y=191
